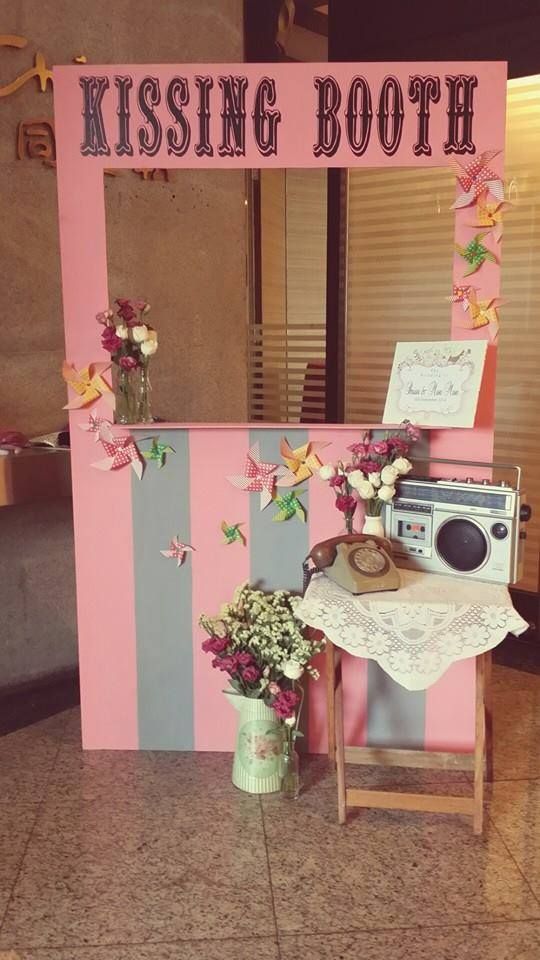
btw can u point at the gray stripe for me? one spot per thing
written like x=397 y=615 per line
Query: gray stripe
x=277 y=549
x=163 y=603
x=396 y=717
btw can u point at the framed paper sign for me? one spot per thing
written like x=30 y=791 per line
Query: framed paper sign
x=435 y=384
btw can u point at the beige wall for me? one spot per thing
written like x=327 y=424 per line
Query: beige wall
x=182 y=244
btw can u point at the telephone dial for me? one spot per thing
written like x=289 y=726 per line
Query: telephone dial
x=360 y=563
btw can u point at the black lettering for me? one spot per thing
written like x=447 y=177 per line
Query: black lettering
x=424 y=91
x=328 y=126
x=177 y=98
x=359 y=114
x=123 y=148
x=390 y=115
x=233 y=115
x=265 y=121
x=204 y=148
x=460 y=113
x=149 y=97
x=95 y=141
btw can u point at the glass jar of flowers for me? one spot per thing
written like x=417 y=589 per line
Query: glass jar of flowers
x=131 y=341
x=370 y=476
x=259 y=643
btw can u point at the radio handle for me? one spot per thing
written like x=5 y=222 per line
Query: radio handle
x=473 y=463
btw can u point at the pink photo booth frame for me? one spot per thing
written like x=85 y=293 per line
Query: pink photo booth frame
x=243 y=116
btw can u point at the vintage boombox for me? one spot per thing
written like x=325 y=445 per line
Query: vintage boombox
x=467 y=528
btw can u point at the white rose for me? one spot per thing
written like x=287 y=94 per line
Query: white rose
x=122 y=331
x=290 y=721
x=386 y=492
x=327 y=471
x=140 y=333
x=375 y=479
x=366 y=490
x=389 y=474
x=402 y=465
x=355 y=477
x=292 y=669
x=149 y=347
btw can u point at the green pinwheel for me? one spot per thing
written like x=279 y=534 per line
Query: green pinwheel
x=232 y=533
x=158 y=451
x=289 y=506
x=475 y=253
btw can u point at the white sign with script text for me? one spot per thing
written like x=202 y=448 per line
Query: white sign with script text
x=436 y=384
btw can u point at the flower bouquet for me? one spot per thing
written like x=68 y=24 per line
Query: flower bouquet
x=131 y=341
x=262 y=647
x=370 y=475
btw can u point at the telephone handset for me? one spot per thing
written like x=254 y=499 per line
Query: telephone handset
x=361 y=563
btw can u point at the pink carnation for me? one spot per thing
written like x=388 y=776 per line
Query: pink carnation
x=244 y=659
x=398 y=446
x=413 y=433
x=359 y=449
x=128 y=363
x=109 y=340
x=337 y=481
x=227 y=664
x=285 y=704
x=215 y=644
x=379 y=447
x=346 y=504
x=251 y=674
x=369 y=466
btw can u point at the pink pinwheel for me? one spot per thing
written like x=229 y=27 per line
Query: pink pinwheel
x=261 y=477
x=476 y=178
x=121 y=452
x=94 y=425
x=177 y=551
x=464 y=294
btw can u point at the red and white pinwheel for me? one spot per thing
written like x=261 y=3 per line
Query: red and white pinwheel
x=261 y=477
x=121 y=452
x=476 y=178
x=177 y=551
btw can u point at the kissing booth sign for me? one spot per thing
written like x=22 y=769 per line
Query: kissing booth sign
x=144 y=682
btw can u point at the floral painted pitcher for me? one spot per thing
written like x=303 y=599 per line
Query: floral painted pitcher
x=259 y=746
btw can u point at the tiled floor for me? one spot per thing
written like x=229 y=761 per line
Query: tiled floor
x=132 y=856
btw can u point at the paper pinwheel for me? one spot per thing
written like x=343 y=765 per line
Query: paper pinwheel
x=94 y=425
x=121 y=452
x=463 y=294
x=476 y=178
x=158 y=451
x=261 y=477
x=475 y=253
x=303 y=462
x=289 y=506
x=88 y=384
x=483 y=313
x=491 y=215
x=232 y=533
x=177 y=551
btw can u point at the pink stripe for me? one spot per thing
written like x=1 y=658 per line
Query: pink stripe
x=450 y=709
x=324 y=522
x=216 y=569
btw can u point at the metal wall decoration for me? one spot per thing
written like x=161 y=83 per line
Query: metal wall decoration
x=35 y=140
x=39 y=70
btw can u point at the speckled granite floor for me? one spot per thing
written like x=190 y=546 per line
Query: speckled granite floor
x=132 y=856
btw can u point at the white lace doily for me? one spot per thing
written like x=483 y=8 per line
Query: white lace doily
x=414 y=633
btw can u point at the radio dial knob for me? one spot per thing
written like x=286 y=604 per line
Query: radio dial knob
x=525 y=512
x=469 y=480
x=499 y=531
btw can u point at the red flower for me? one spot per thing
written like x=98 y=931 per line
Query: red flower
x=398 y=446
x=215 y=644
x=109 y=340
x=370 y=466
x=251 y=674
x=346 y=504
x=244 y=659
x=128 y=363
x=227 y=664
x=285 y=704
x=359 y=449
x=126 y=311
x=379 y=447
x=413 y=433
x=337 y=481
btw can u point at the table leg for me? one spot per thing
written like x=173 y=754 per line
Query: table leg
x=339 y=738
x=479 y=746
x=488 y=698
x=331 y=699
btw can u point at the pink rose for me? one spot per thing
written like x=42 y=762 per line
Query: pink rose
x=346 y=504
x=286 y=703
x=379 y=447
x=251 y=674
x=359 y=449
x=274 y=688
x=128 y=363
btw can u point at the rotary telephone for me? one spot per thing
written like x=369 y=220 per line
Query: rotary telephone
x=360 y=563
